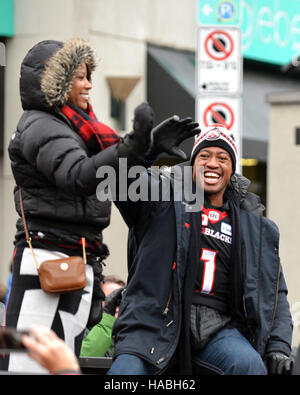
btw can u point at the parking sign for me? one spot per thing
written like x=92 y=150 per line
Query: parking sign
x=224 y=110
x=219 y=61
x=219 y=12
x=226 y=10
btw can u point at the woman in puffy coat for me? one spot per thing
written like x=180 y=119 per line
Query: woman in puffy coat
x=55 y=152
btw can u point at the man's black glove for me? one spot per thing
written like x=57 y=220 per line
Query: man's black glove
x=278 y=363
x=112 y=301
x=166 y=136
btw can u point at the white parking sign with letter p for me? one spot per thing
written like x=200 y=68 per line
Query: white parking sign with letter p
x=226 y=10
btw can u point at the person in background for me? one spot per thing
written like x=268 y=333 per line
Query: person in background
x=111 y=283
x=98 y=342
x=55 y=152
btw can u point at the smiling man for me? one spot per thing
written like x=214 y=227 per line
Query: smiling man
x=220 y=330
x=216 y=151
x=205 y=291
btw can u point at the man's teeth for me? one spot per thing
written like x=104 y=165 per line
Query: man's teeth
x=212 y=175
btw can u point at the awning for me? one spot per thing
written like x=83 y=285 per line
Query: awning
x=180 y=65
x=121 y=87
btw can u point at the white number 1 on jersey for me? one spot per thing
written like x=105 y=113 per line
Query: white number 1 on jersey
x=209 y=258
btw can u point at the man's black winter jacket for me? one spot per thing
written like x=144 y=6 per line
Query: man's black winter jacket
x=149 y=321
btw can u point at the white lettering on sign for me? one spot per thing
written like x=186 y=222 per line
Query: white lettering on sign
x=247 y=13
x=281 y=19
x=264 y=21
x=226 y=10
x=270 y=26
x=295 y=30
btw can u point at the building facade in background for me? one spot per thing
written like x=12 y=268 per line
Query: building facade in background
x=147 y=51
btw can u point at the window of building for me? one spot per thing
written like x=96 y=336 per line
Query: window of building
x=256 y=171
x=298 y=136
x=120 y=89
x=117 y=111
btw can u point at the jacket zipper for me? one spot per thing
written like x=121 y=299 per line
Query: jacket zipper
x=165 y=313
x=276 y=299
x=258 y=272
x=249 y=326
x=243 y=280
x=166 y=309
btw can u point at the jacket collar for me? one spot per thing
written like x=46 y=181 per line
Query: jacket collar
x=184 y=189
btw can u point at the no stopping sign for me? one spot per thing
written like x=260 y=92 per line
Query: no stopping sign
x=219 y=112
x=219 y=60
x=221 y=109
x=219 y=45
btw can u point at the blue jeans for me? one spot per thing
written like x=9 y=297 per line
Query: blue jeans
x=130 y=364
x=228 y=353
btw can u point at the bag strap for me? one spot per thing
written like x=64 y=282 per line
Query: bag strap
x=83 y=249
x=28 y=238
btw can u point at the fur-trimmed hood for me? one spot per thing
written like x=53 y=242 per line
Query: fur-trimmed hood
x=48 y=69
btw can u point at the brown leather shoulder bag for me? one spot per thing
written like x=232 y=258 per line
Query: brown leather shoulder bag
x=58 y=275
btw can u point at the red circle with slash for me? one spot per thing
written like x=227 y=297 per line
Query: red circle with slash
x=220 y=113
x=221 y=42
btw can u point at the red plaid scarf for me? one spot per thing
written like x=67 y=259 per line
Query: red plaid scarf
x=96 y=135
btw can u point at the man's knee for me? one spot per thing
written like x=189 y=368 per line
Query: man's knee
x=231 y=352
x=126 y=364
x=249 y=363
